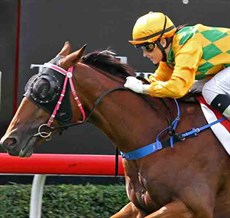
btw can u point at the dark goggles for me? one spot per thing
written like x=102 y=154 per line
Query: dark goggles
x=147 y=46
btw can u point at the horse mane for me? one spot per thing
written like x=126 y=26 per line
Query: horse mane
x=106 y=60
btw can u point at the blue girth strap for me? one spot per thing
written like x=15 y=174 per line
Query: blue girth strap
x=156 y=146
x=142 y=152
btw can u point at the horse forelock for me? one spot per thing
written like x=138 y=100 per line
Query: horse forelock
x=106 y=61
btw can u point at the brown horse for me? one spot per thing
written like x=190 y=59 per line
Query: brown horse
x=190 y=179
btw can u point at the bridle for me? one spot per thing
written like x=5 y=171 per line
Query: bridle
x=45 y=130
x=68 y=78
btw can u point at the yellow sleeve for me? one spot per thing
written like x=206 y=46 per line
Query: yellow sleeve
x=182 y=78
x=163 y=73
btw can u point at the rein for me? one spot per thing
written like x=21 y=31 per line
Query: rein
x=132 y=155
x=45 y=130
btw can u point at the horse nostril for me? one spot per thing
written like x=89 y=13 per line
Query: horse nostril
x=9 y=143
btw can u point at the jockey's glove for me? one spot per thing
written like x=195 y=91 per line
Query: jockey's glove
x=136 y=85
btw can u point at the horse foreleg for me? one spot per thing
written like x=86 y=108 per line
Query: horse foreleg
x=172 y=210
x=129 y=211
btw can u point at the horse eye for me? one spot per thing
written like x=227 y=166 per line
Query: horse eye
x=41 y=88
x=44 y=92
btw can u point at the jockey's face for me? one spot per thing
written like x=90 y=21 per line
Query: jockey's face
x=156 y=55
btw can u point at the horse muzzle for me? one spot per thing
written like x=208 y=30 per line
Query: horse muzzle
x=12 y=147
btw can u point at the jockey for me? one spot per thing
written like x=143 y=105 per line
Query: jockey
x=185 y=56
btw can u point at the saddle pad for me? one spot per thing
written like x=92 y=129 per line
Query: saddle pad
x=222 y=129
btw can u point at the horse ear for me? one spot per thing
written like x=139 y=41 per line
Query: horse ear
x=72 y=59
x=76 y=56
x=66 y=49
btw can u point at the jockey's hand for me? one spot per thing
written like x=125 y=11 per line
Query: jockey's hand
x=134 y=84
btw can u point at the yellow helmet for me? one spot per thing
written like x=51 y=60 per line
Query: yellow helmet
x=152 y=26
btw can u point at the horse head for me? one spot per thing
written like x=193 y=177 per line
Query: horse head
x=41 y=107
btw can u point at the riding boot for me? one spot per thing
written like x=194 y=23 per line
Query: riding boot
x=222 y=103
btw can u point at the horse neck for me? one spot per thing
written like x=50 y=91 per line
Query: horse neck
x=125 y=117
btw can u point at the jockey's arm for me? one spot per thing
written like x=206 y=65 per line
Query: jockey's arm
x=176 y=87
x=182 y=77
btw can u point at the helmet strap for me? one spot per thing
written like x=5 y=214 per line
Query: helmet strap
x=162 y=48
x=167 y=41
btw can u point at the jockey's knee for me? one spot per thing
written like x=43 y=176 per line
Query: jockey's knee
x=222 y=104
x=218 y=101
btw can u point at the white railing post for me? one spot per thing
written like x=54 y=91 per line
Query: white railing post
x=36 y=195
